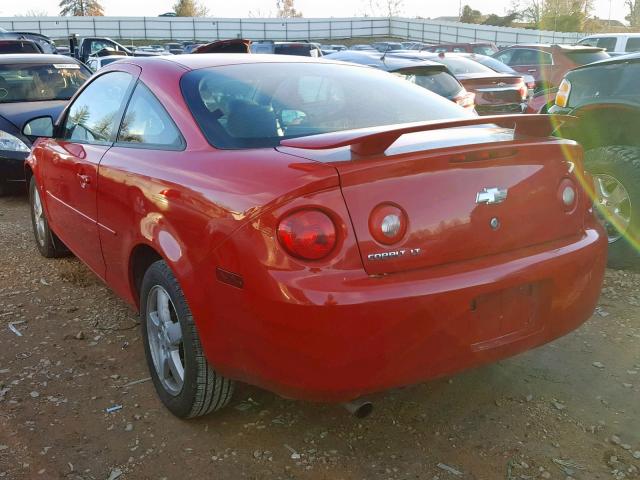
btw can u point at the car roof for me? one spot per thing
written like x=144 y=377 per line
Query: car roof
x=43 y=58
x=206 y=60
x=567 y=48
x=608 y=34
x=632 y=57
x=387 y=62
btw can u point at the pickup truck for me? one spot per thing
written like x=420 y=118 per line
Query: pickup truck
x=614 y=43
x=84 y=48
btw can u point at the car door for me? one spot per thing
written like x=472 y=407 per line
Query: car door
x=86 y=131
x=135 y=184
x=534 y=62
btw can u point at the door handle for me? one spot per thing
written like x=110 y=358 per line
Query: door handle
x=85 y=180
x=532 y=70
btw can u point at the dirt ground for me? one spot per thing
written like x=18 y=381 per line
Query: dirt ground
x=570 y=409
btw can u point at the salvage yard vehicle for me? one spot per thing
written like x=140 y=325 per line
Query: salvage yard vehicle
x=614 y=43
x=548 y=63
x=274 y=222
x=430 y=75
x=30 y=85
x=494 y=92
x=482 y=48
x=605 y=96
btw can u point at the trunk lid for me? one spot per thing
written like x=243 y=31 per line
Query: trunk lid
x=438 y=177
x=496 y=89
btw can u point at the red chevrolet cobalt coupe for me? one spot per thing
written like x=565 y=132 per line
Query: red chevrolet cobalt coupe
x=319 y=229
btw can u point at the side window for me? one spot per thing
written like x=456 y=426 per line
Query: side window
x=147 y=123
x=590 y=42
x=94 y=116
x=633 y=44
x=506 y=56
x=608 y=43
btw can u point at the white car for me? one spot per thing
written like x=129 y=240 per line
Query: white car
x=96 y=63
x=614 y=43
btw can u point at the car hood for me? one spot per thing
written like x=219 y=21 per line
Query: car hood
x=19 y=113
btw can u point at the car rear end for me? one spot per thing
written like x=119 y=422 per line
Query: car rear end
x=423 y=249
x=498 y=93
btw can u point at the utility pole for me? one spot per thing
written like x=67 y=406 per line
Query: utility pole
x=460 y=11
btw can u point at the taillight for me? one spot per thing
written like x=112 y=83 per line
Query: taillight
x=524 y=91
x=307 y=234
x=388 y=223
x=466 y=99
x=562 y=97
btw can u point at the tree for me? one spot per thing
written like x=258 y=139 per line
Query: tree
x=384 y=8
x=532 y=12
x=498 y=21
x=634 y=13
x=81 y=8
x=565 y=15
x=469 y=15
x=34 y=13
x=287 y=10
x=190 y=8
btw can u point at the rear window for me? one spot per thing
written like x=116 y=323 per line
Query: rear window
x=604 y=82
x=258 y=105
x=633 y=44
x=18 y=47
x=36 y=82
x=582 y=58
x=302 y=50
x=461 y=65
x=442 y=83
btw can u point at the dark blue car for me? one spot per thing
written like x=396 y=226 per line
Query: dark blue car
x=31 y=85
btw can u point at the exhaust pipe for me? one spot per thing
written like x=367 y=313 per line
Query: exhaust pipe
x=359 y=408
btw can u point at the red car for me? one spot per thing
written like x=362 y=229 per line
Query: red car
x=276 y=224
x=548 y=63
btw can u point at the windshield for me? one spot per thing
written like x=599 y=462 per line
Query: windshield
x=257 y=105
x=484 y=49
x=494 y=64
x=439 y=82
x=37 y=82
x=604 y=82
x=582 y=58
x=461 y=65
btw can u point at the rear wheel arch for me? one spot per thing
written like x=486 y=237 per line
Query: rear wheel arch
x=141 y=258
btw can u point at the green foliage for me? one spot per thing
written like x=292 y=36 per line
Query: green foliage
x=499 y=21
x=469 y=15
x=81 y=8
x=634 y=13
x=190 y=8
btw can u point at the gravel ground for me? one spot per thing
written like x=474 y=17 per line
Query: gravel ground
x=567 y=410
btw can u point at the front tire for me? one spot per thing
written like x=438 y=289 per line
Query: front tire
x=616 y=172
x=183 y=379
x=49 y=245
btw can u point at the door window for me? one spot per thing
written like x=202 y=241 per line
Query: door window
x=95 y=115
x=147 y=124
x=633 y=44
x=506 y=56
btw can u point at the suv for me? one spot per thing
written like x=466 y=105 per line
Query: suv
x=548 y=63
x=614 y=43
x=605 y=96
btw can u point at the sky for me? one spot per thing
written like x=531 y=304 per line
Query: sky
x=310 y=8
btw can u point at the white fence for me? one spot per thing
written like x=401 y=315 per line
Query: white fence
x=187 y=28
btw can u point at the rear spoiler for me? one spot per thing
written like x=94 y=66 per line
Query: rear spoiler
x=375 y=140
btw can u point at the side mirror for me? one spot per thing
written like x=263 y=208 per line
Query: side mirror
x=39 y=127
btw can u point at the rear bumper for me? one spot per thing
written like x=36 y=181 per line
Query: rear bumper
x=12 y=166
x=334 y=339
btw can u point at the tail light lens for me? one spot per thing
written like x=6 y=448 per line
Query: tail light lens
x=562 y=97
x=388 y=223
x=524 y=91
x=307 y=234
x=466 y=99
